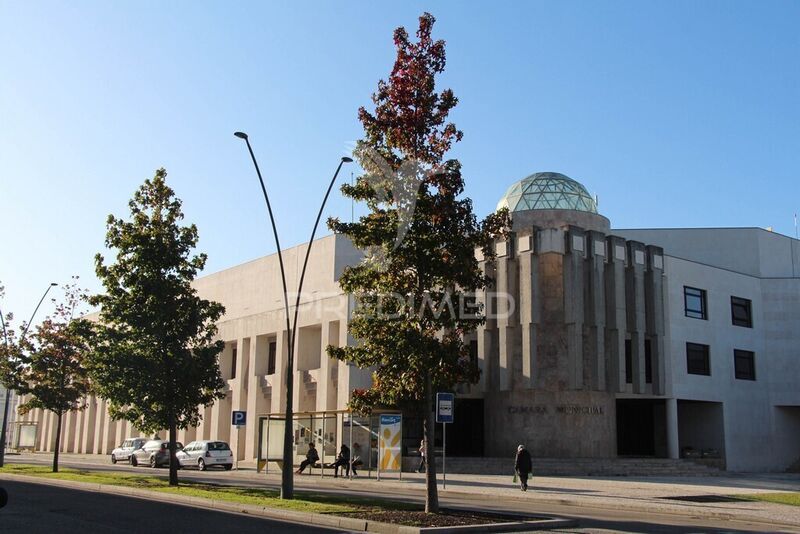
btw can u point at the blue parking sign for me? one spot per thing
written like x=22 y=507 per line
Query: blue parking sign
x=238 y=418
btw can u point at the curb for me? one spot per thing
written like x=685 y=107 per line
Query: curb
x=322 y=520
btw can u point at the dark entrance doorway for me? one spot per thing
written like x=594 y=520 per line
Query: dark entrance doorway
x=641 y=427
x=465 y=434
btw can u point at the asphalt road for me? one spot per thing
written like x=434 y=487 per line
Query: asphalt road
x=591 y=519
x=34 y=508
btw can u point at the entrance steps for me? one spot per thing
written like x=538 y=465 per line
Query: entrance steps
x=660 y=467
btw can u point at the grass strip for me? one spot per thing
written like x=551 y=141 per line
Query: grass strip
x=304 y=501
x=790 y=498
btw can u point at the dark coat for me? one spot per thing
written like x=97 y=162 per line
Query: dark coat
x=523 y=463
x=312 y=455
x=344 y=453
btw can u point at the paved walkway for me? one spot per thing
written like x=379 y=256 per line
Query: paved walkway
x=655 y=494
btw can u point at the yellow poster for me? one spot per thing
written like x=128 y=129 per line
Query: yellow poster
x=391 y=433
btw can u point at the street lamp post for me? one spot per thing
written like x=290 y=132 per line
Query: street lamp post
x=287 y=473
x=8 y=390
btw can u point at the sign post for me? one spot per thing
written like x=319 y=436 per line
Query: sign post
x=238 y=419
x=444 y=415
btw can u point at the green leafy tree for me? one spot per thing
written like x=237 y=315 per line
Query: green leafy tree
x=420 y=237
x=155 y=358
x=48 y=368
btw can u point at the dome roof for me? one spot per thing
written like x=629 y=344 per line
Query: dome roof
x=547 y=191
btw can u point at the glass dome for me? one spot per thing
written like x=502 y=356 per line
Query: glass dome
x=547 y=191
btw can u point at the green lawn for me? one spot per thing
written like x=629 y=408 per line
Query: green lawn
x=303 y=501
x=792 y=499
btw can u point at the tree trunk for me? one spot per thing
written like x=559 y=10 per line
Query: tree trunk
x=58 y=443
x=429 y=432
x=173 y=462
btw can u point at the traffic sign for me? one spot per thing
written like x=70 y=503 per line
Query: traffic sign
x=238 y=418
x=444 y=407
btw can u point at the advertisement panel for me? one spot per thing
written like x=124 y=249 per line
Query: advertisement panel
x=390 y=440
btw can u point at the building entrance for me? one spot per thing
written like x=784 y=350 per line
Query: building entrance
x=641 y=427
x=465 y=434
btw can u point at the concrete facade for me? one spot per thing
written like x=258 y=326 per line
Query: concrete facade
x=583 y=353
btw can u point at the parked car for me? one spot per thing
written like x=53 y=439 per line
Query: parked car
x=204 y=454
x=154 y=453
x=123 y=452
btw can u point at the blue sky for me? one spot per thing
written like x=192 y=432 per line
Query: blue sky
x=674 y=113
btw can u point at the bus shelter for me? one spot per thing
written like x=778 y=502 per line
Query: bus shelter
x=327 y=430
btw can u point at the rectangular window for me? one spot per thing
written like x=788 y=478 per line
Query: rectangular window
x=233 y=363
x=648 y=362
x=744 y=362
x=628 y=362
x=273 y=349
x=697 y=361
x=694 y=301
x=742 y=312
x=473 y=352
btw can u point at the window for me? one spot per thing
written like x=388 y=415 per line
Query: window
x=648 y=362
x=273 y=349
x=697 y=359
x=742 y=312
x=694 y=301
x=473 y=352
x=744 y=362
x=233 y=362
x=628 y=362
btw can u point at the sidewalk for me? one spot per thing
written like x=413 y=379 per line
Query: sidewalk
x=650 y=494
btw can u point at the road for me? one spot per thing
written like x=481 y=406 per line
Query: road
x=591 y=519
x=35 y=508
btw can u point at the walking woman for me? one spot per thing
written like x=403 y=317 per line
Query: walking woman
x=523 y=466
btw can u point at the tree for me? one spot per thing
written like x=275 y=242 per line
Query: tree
x=48 y=368
x=420 y=238
x=155 y=358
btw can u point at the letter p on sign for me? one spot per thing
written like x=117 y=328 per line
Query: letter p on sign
x=238 y=418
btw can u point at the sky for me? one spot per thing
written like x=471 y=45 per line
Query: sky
x=674 y=113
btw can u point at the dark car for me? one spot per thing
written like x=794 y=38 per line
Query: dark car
x=154 y=453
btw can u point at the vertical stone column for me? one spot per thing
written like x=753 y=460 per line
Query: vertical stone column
x=239 y=396
x=595 y=307
x=634 y=297
x=574 y=313
x=507 y=311
x=616 y=316
x=256 y=402
x=556 y=373
x=486 y=333
x=530 y=300
x=44 y=432
x=673 y=447
x=654 y=311
x=326 y=386
x=68 y=435
x=87 y=445
x=99 y=423
x=279 y=379
x=109 y=432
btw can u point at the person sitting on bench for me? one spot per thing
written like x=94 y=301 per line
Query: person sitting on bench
x=356 y=461
x=312 y=457
x=343 y=461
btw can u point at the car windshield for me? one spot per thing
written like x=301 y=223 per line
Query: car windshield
x=218 y=446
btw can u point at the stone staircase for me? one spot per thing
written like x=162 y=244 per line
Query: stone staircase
x=659 y=467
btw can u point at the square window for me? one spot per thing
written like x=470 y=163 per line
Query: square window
x=744 y=362
x=694 y=301
x=742 y=312
x=697 y=360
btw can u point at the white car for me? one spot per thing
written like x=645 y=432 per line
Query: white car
x=124 y=451
x=203 y=454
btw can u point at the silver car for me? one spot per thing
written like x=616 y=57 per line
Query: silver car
x=154 y=453
x=124 y=451
x=203 y=454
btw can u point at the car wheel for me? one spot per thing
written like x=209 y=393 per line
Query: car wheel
x=113 y=459
x=134 y=462
x=153 y=462
x=228 y=467
x=201 y=465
